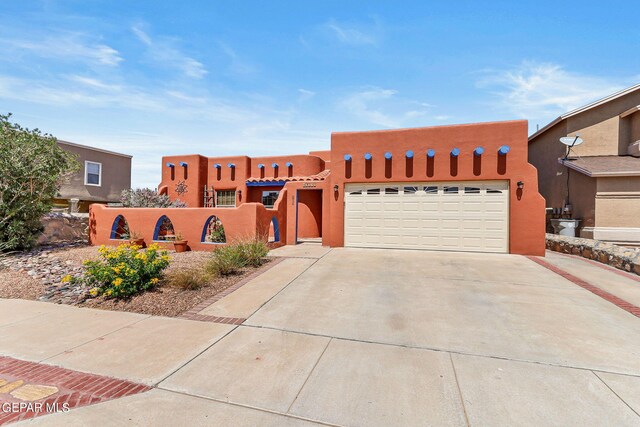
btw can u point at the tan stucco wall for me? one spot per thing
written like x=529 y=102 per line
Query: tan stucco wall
x=618 y=202
x=544 y=154
x=583 y=198
x=634 y=127
x=116 y=176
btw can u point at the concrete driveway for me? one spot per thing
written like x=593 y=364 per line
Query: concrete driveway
x=380 y=337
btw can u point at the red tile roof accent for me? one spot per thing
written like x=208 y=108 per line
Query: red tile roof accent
x=317 y=177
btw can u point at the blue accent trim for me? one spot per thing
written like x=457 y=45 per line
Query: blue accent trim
x=274 y=165
x=409 y=154
x=368 y=156
x=231 y=165
x=347 y=157
x=276 y=230
x=289 y=164
x=504 y=150
x=260 y=166
x=431 y=153
x=170 y=165
x=455 y=152
x=156 y=230
x=478 y=151
x=183 y=164
x=387 y=155
x=217 y=166
x=114 y=228
x=265 y=183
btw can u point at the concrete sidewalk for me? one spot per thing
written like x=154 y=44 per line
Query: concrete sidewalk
x=362 y=337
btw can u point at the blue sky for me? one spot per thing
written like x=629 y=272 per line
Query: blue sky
x=276 y=77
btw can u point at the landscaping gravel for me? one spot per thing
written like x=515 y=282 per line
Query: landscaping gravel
x=37 y=275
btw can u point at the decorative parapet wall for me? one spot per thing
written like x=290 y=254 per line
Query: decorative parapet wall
x=626 y=259
x=248 y=221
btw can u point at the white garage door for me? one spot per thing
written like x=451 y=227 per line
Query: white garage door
x=453 y=216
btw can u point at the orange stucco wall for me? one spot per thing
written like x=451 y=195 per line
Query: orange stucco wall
x=526 y=217
x=316 y=208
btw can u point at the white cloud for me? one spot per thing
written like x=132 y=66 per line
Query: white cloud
x=237 y=64
x=305 y=94
x=535 y=90
x=162 y=51
x=354 y=34
x=72 y=47
x=382 y=107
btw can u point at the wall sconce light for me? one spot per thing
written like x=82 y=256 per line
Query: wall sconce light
x=240 y=194
x=520 y=185
x=335 y=188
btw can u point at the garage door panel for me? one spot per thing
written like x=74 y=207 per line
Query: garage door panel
x=461 y=216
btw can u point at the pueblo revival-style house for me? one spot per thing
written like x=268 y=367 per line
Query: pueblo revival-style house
x=451 y=188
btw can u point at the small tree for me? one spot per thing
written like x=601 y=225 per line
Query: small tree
x=148 y=198
x=32 y=168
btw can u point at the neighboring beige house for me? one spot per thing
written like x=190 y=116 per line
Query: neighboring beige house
x=101 y=178
x=603 y=172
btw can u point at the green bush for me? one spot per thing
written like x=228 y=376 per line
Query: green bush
x=232 y=258
x=124 y=271
x=189 y=279
x=32 y=168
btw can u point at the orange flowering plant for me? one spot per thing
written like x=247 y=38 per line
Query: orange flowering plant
x=124 y=271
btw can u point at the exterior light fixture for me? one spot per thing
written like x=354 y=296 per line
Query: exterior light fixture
x=183 y=164
x=231 y=165
x=170 y=165
x=368 y=156
x=289 y=164
x=347 y=157
x=503 y=150
x=431 y=153
x=520 y=185
x=239 y=194
x=387 y=155
x=455 y=152
x=409 y=154
x=478 y=151
x=335 y=188
x=217 y=166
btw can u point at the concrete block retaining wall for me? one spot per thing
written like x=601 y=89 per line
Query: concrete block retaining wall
x=627 y=259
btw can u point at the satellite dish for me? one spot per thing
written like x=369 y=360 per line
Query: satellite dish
x=571 y=141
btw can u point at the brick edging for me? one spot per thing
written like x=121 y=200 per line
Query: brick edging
x=607 y=267
x=194 y=312
x=75 y=388
x=619 y=302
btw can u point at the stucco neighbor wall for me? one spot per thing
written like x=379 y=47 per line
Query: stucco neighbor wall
x=544 y=155
x=526 y=217
x=583 y=197
x=116 y=175
x=618 y=202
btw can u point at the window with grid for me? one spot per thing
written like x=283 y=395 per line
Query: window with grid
x=269 y=198
x=226 y=198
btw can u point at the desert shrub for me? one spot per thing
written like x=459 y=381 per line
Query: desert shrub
x=226 y=260
x=148 y=198
x=124 y=271
x=189 y=279
x=232 y=258
x=254 y=252
x=32 y=168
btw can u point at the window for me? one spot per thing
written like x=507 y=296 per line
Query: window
x=269 y=198
x=410 y=190
x=92 y=173
x=356 y=193
x=493 y=191
x=432 y=189
x=471 y=190
x=450 y=190
x=391 y=190
x=226 y=198
x=373 y=191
